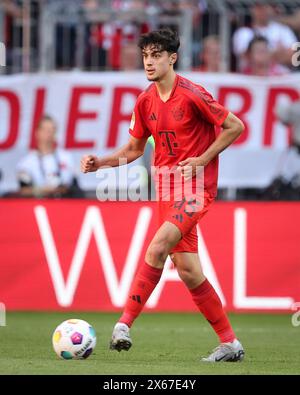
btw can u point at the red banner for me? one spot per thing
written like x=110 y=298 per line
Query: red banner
x=93 y=112
x=82 y=255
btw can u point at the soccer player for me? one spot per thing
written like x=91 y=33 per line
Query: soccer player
x=181 y=116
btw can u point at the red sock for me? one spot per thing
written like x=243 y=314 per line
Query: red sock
x=143 y=284
x=210 y=305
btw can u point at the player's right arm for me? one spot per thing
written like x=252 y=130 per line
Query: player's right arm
x=126 y=154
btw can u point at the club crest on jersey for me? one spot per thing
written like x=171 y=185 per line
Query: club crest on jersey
x=178 y=113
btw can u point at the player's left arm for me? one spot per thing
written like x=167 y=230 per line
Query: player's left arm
x=232 y=129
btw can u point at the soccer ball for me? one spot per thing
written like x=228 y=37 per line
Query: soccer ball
x=74 y=339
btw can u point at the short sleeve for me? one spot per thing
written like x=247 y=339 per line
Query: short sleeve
x=209 y=108
x=137 y=126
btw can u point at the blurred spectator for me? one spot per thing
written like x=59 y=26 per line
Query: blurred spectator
x=11 y=8
x=48 y=171
x=130 y=57
x=9 y=11
x=280 y=36
x=289 y=114
x=108 y=40
x=210 y=56
x=286 y=184
x=170 y=7
x=293 y=21
x=259 y=59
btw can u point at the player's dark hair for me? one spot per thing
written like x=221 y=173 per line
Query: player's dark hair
x=163 y=40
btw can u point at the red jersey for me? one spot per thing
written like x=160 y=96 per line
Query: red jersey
x=182 y=127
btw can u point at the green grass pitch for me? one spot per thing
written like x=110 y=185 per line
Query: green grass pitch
x=163 y=343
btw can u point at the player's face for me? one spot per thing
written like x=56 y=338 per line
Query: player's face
x=157 y=63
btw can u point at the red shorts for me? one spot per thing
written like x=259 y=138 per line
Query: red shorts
x=185 y=214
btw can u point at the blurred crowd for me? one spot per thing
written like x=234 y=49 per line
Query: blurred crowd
x=261 y=35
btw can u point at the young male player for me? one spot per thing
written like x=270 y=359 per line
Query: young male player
x=182 y=117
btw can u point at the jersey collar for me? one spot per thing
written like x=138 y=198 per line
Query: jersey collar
x=173 y=89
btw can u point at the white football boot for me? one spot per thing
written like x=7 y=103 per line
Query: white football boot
x=226 y=352
x=120 y=339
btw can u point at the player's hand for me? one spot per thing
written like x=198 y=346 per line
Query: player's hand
x=89 y=163
x=190 y=167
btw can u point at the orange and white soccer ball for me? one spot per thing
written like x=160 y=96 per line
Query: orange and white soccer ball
x=74 y=339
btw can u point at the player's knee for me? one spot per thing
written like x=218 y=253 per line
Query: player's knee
x=185 y=274
x=156 y=254
x=188 y=276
